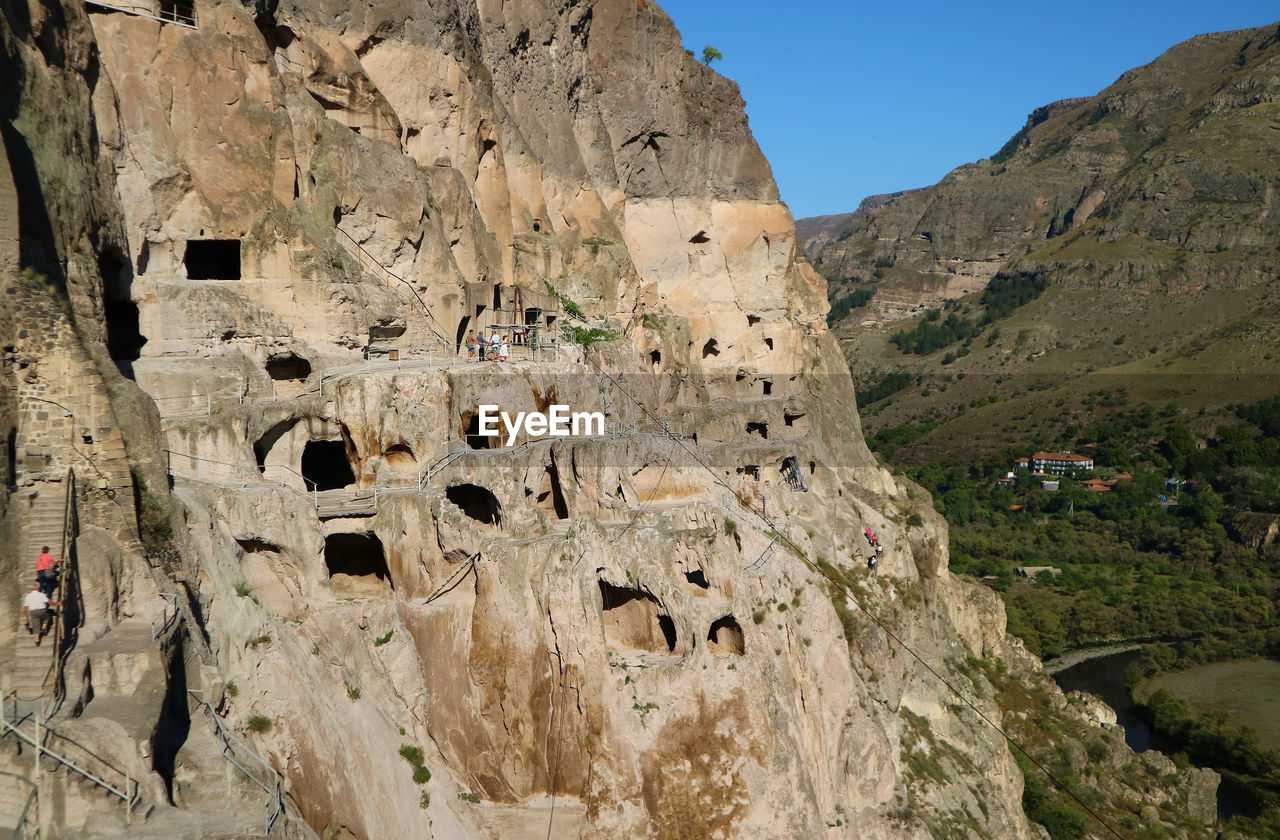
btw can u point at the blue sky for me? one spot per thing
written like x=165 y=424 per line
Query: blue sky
x=849 y=99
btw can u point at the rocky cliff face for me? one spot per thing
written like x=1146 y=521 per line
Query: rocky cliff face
x=271 y=233
x=1163 y=182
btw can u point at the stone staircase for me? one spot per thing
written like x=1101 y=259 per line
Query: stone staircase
x=44 y=523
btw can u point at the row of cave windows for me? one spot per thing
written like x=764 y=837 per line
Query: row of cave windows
x=631 y=616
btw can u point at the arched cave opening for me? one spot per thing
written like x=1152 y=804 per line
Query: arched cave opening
x=475 y=440
x=399 y=457
x=212 y=259
x=124 y=337
x=768 y=342
x=462 y=332
x=357 y=565
x=632 y=620
x=711 y=348
x=761 y=429
x=325 y=465
x=725 y=636
x=550 y=496
x=288 y=366
x=477 y=502
x=262 y=446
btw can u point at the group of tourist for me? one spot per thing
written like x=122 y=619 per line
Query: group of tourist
x=37 y=607
x=497 y=345
x=874 y=542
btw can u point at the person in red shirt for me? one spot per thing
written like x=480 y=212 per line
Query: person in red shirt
x=45 y=573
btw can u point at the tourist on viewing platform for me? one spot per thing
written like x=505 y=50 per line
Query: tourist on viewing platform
x=471 y=345
x=45 y=574
x=483 y=345
x=504 y=351
x=495 y=345
x=35 y=609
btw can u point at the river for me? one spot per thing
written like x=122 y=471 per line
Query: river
x=1104 y=676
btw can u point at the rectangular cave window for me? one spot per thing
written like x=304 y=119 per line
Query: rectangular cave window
x=212 y=259
x=178 y=11
x=761 y=429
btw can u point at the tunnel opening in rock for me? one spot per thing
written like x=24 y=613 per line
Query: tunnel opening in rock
x=655 y=357
x=766 y=387
x=761 y=429
x=476 y=502
x=399 y=457
x=711 y=348
x=725 y=636
x=212 y=259
x=174 y=724
x=475 y=440
x=768 y=342
x=550 y=497
x=263 y=445
x=357 y=565
x=11 y=458
x=325 y=465
x=698 y=578
x=288 y=366
x=632 y=620
x=124 y=336
x=462 y=332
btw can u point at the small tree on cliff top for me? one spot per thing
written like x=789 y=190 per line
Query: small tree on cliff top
x=710 y=54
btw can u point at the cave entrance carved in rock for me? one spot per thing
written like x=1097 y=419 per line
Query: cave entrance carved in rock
x=325 y=465
x=357 y=565
x=477 y=502
x=725 y=636
x=212 y=259
x=632 y=620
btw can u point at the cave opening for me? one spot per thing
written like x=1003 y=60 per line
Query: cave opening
x=357 y=565
x=632 y=620
x=475 y=440
x=699 y=238
x=550 y=495
x=477 y=502
x=399 y=457
x=655 y=357
x=725 y=636
x=178 y=11
x=212 y=259
x=124 y=335
x=288 y=366
x=11 y=458
x=761 y=429
x=698 y=578
x=711 y=348
x=325 y=465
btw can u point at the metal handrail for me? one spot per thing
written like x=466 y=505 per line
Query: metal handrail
x=189 y=21
x=170 y=600
x=129 y=796
x=64 y=578
x=22 y=829
x=275 y=798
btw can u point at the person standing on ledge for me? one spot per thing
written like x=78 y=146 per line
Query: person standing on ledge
x=471 y=345
x=35 y=609
x=45 y=573
x=483 y=345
